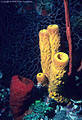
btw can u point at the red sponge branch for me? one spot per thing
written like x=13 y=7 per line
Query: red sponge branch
x=68 y=33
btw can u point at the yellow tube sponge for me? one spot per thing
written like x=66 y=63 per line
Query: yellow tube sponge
x=45 y=51
x=42 y=79
x=57 y=71
x=60 y=60
x=54 y=35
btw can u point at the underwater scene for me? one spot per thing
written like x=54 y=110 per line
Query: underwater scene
x=40 y=60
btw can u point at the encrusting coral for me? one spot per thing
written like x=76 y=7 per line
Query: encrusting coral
x=53 y=62
x=39 y=109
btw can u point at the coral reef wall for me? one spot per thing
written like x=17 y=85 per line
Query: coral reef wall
x=20 y=24
x=19 y=44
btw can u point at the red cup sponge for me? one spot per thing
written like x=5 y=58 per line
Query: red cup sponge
x=20 y=91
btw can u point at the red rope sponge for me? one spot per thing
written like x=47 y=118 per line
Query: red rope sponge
x=20 y=90
x=68 y=33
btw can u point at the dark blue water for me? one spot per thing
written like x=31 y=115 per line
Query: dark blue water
x=20 y=23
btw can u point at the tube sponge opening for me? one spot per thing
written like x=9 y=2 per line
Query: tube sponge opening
x=60 y=59
x=42 y=79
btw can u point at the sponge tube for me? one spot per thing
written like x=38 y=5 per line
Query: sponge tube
x=54 y=39
x=57 y=72
x=45 y=51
